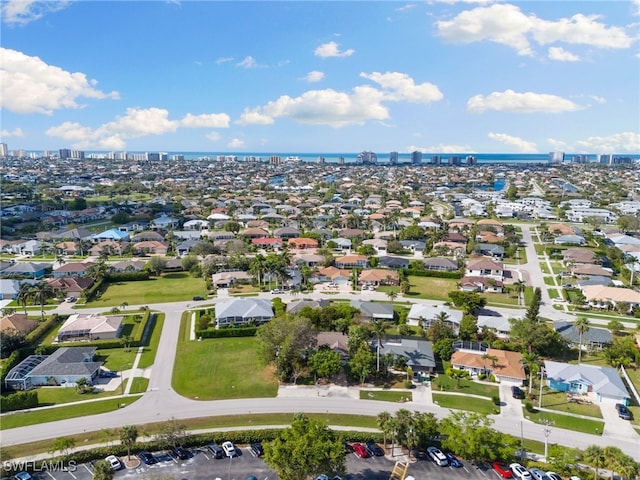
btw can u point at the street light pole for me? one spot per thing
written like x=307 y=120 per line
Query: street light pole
x=546 y=429
x=541 y=381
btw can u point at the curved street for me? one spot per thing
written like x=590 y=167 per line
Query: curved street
x=161 y=402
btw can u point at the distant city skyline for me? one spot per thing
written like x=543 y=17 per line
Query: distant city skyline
x=442 y=76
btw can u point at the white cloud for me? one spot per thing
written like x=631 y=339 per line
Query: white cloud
x=236 y=143
x=507 y=25
x=559 y=145
x=247 y=62
x=21 y=12
x=561 y=55
x=254 y=117
x=314 y=76
x=518 y=143
x=29 y=85
x=137 y=122
x=624 y=142
x=514 y=102
x=598 y=99
x=213 y=136
x=211 y=120
x=332 y=49
x=401 y=87
x=329 y=107
x=16 y=132
x=224 y=60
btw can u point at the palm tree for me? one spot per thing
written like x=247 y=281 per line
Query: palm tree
x=613 y=458
x=102 y=471
x=257 y=267
x=378 y=328
x=41 y=292
x=24 y=294
x=520 y=287
x=594 y=456
x=581 y=325
x=384 y=424
x=532 y=362
x=128 y=437
x=392 y=294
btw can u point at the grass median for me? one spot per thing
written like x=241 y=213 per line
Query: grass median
x=462 y=402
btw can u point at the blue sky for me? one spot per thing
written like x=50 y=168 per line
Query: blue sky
x=275 y=76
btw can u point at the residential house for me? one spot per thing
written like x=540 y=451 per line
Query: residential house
x=111 y=234
x=478 y=359
x=424 y=316
x=413 y=245
x=497 y=324
x=441 y=264
x=578 y=255
x=341 y=243
x=569 y=240
x=485 y=267
x=111 y=247
x=128 y=266
x=72 y=269
x=266 y=242
x=303 y=243
x=27 y=270
x=332 y=274
x=254 y=233
x=593 y=338
x=68 y=248
x=395 y=263
x=378 y=244
x=65 y=366
x=164 y=223
x=152 y=247
x=351 y=261
x=602 y=384
x=90 y=326
x=230 y=278
x=295 y=306
x=70 y=286
x=17 y=322
x=490 y=250
x=336 y=341
x=470 y=283
x=374 y=310
x=418 y=353
x=286 y=232
x=243 y=311
x=603 y=296
x=379 y=276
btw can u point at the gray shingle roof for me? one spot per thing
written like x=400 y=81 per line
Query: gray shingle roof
x=593 y=335
x=418 y=353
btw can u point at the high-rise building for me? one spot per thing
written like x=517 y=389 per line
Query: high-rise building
x=64 y=153
x=367 y=158
x=393 y=158
x=471 y=160
x=320 y=160
x=340 y=160
x=274 y=160
x=605 y=158
x=455 y=160
x=556 y=157
x=177 y=158
x=436 y=160
x=4 y=150
x=416 y=158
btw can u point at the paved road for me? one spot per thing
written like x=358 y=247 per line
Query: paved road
x=162 y=403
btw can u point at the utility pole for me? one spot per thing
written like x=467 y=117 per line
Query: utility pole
x=546 y=429
x=541 y=381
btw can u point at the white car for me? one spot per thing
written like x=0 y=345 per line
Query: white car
x=229 y=449
x=437 y=456
x=114 y=462
x=520 y=472
x=554 y=476
x=538 y=474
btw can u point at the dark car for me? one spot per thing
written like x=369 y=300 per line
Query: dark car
x=517 y=392
x=374 y=449
x=147 y=458
x=453 y=461
x=256 y=449
x=198 y=298
x=180 y=453
x=215 y=450
x=347 y=447
x=623 y=411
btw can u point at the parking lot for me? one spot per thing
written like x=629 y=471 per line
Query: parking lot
x=203 y=466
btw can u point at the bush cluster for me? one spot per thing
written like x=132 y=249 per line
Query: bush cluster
x=19 y=401
x=433 y=273
x=227 y=332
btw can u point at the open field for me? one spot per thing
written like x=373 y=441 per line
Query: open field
x=218 y=368
x=170 y=287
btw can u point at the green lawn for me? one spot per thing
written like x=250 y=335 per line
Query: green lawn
x=218 y=368
x=567 y=422
x=386 y=395
x=432 y=288
x=139 y=385
x=149 y=351
x=57 y=395
x=461 y=402
x=170 y=287
x=447 y=384
x=116 y=359
x=558 y=401
x=22 y=419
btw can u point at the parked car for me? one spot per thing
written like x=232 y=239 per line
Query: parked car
x=276 y=291
x=256 y=449
x=502 y=470
x=437 y=456
x=538 y=474
x=215 y=450
x=108 y=374
x=147 y=458
x=453 y=461
x=229 y=449
x=517 y=392
x=23 y=476
x=554 y=476
x=114 y=462
x=374 y=449
x=70 y=299
x=623 y=412
x=520 y=472
x=360 y=450
x=198 y=298
x=180 y=453
x=347 y=447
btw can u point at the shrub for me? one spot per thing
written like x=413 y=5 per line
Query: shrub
x=528 y=406
x=495 y=399
x=128 y=276
x=19 y=401
x=227 y=332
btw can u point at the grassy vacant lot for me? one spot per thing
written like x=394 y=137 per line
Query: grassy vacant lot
x=432 y=288
x=448 y=384
x=218 y=368
x=386 y=395
x=567 y=422
x=558 y=401
x=22 y=419
x=461 y=402
x=170 y=287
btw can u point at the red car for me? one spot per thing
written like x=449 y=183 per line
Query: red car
x=360 y=450
x=502 y=470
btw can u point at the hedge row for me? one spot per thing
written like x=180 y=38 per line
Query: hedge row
x=19 y=401
x=91 y=292
x=128 y=276
x=227 y=332
x=35 y=336
x=433 y=273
